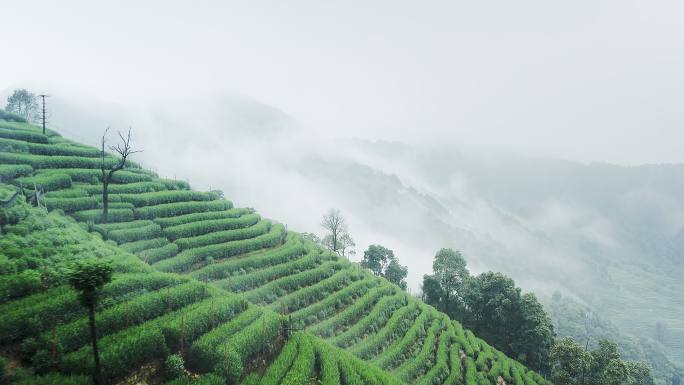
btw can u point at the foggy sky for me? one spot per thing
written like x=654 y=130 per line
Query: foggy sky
x=581 y=80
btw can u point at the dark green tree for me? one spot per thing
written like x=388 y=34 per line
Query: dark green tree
x=87 y=278
x=535 y=335
x=23 y=103
x=376 y=259
x=448 y=285
x=606 y=366
x=494 y=309
x=638 y=373
x=569 y=363
x=396 y=273
x=383 y=263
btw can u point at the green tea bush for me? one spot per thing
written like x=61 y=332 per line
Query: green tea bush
x=104 y=228
x=206 y=352
x=303 y=366
x=24 y=135
x=396 y=326
x=119 y=352
x=180 y=208
x=318 y=291
x=149 y=231
x=277 y=370
x=194 y=229
x=291 y=250
x=11 y=171
x=202 y=216
x=67 y=193
x=57 y=161
x=331 y=303
x=63 y=149
x=11 y=117
x=47 y=182
x=95 y=215
x=159 y=253
x=187 y=258
x=260 y=277
x=422 y=361
x=166 y=196
x=174 y=366
x=70 y=205
x=11 y=145
x=391 y=356
x=377 y=304
x=267 y=293
x=439 y=372
x=145 y=244
x=198 y=319
x=133 y=312
x=224 y=236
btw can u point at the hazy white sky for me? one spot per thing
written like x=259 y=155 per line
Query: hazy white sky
x=585 y=80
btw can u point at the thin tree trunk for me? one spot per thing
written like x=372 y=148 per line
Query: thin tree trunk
x=97 y=376
x=105 y=200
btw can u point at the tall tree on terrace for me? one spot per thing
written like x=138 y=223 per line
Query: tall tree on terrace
x=87 y=278
x=382 y=262
x=338 y=239
x=124 y=150
x=447 y=287
x=24 y=104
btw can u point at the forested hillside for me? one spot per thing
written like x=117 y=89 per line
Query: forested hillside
x=199 y=284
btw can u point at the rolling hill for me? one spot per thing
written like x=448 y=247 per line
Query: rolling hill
x=212 y=282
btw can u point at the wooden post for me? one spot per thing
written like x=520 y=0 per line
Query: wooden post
x=54 y=342
x=213 y=315
x=128 y=323
x=182 y=335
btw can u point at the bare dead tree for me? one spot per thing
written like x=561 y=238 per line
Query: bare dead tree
x=338 y=238
x=123 y=150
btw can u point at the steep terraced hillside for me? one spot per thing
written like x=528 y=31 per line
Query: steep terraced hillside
x=232 y=279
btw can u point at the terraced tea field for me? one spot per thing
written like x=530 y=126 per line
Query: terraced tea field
x=215 y=283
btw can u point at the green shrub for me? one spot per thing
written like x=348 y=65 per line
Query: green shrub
x=70 y=205
x=187 y=258
x=205 y=353
x=159 y=253
x=135 y=234
x=133 y=312
x=67 y=193
x=28 y=136
x=11 y=117
x=224 y=236
x=57 y=161
x=11 y=171
x=119 y=352
x=145 y=244
x=95 y=215
x=268 y=292
x=180 y=208
x=163 y=197
x=11 y=145
x=194 y=229
x=47 y=182
x=291 y=250
x=202 y=216
x=174 y=366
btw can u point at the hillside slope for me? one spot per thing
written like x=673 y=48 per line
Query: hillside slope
x=208 y=251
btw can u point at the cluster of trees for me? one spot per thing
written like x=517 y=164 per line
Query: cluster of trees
x=492 y=307
x=572 y=364
x=378 y=259
x=382 y=262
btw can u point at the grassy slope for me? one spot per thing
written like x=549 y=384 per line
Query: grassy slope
x=252 y=266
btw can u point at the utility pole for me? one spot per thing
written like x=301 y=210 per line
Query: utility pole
x=43 y=118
